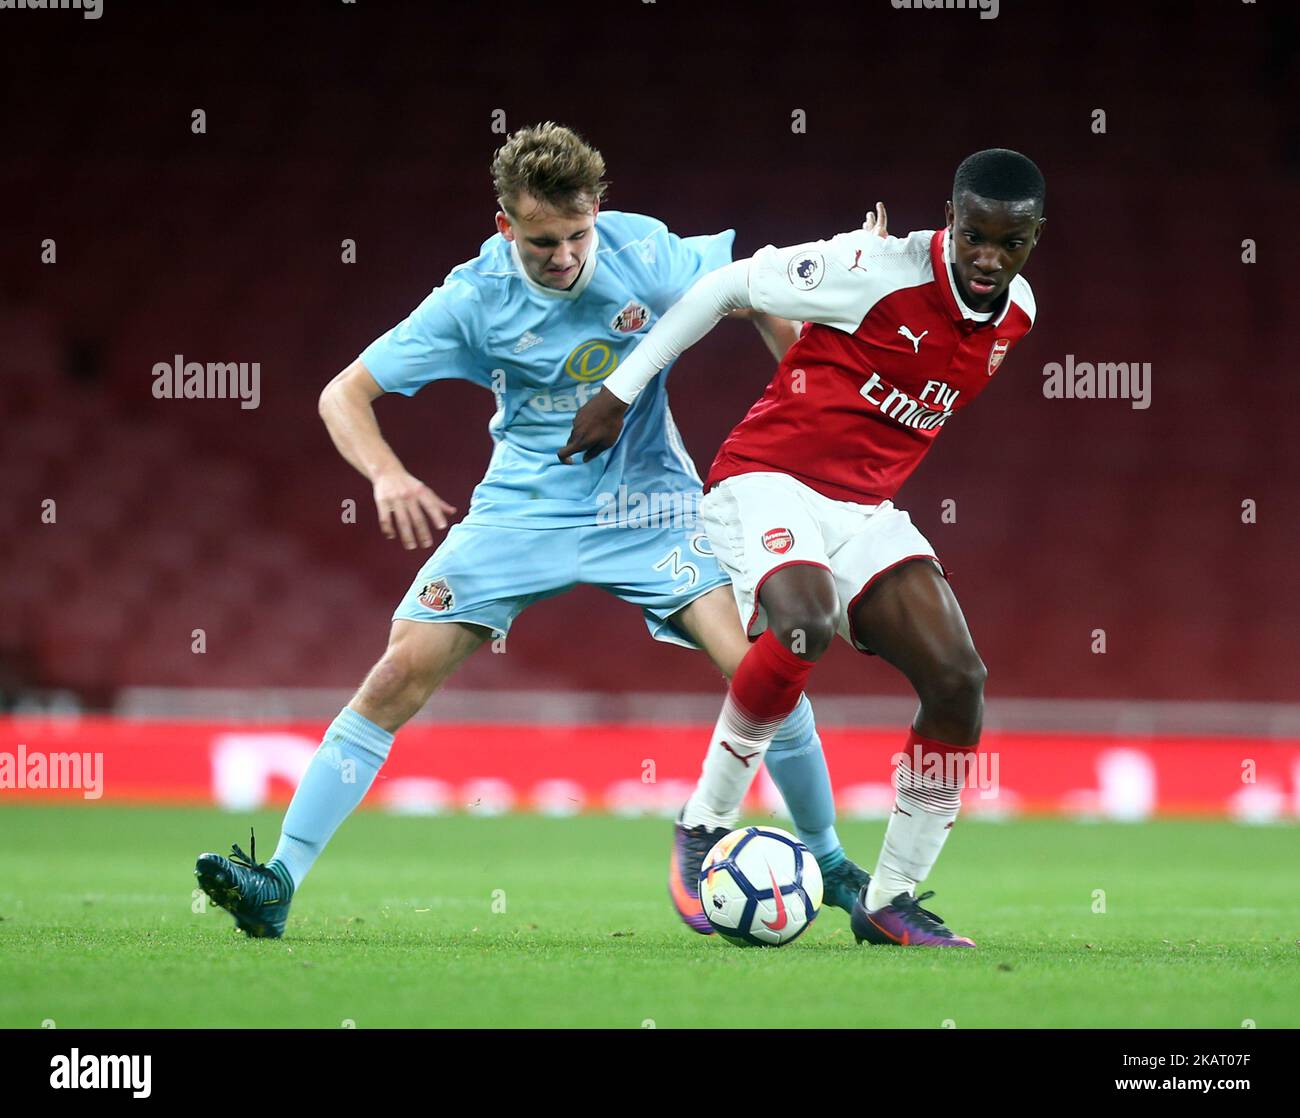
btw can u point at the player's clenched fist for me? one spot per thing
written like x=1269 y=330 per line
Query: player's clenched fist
x=406 y=505
x=596 y=427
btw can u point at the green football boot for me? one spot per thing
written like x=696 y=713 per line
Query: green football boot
x=257 y=896
x=840 y=886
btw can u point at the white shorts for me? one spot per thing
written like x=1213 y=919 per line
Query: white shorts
x=761 y=522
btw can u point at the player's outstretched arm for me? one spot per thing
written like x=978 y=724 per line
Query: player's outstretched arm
x=599 y=421
x=710 y=299
x=778 y=333
x=723 y=292
x=405 y=504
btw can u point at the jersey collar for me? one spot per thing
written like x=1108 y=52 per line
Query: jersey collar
x=579 y=286
x=940 y=261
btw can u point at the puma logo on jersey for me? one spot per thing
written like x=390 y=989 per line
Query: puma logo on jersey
x=916 y=341
x=857 y=256
x=527 y=341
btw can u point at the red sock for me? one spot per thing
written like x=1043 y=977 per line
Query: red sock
x=765 y=688
x=932 y=772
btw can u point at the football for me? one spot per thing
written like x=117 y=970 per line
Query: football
x=760 y=887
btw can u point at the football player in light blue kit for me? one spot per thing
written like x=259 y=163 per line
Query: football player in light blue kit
x=546 y=310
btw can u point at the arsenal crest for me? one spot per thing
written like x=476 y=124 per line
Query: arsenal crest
x=998 y=352
x=778 y=540
x=437 y=595
x=631 y=318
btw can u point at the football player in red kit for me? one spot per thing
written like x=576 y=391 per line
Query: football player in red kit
x=899 y=334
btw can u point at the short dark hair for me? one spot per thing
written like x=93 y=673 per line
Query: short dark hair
x=1001 y=175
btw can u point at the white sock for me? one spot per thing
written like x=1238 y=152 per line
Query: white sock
x=925 y=809
x=733 y=759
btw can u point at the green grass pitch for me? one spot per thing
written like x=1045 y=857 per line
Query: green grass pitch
x=396 y=927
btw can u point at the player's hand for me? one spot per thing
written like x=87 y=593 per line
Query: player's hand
x=406 y=506
x=596 y=427
x=877 y=222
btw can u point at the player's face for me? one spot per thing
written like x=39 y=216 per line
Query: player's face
x=553 y=245
x=991 y=244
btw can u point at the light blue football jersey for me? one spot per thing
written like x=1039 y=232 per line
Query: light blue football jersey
x=543 y=354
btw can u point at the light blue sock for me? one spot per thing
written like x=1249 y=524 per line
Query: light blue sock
x=798 y=768
x=340 y=774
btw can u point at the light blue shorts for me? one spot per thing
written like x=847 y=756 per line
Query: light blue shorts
x=487 y=575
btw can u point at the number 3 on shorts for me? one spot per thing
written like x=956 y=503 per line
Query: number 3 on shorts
x=673 y=563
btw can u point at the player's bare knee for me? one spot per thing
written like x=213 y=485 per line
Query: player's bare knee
x=802 y=609
x=808 y=634
x=955 y=691
x=394 y=681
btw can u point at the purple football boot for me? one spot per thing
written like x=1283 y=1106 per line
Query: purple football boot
x=691 y=845
x=903 y=922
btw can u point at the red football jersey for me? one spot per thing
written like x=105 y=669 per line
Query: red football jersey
x=887 y=354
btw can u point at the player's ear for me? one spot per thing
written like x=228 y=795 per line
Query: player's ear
x=504 y=227
x=1038 y=229
x=948 y=214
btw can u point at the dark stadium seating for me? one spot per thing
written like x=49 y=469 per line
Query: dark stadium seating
x=1072 y=516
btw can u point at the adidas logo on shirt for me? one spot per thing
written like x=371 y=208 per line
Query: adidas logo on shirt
x=528 y=340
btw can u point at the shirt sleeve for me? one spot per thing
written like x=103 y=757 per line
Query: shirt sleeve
x=433 y=343
x=679 y=261
x=832 y=282
x=708 y=301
